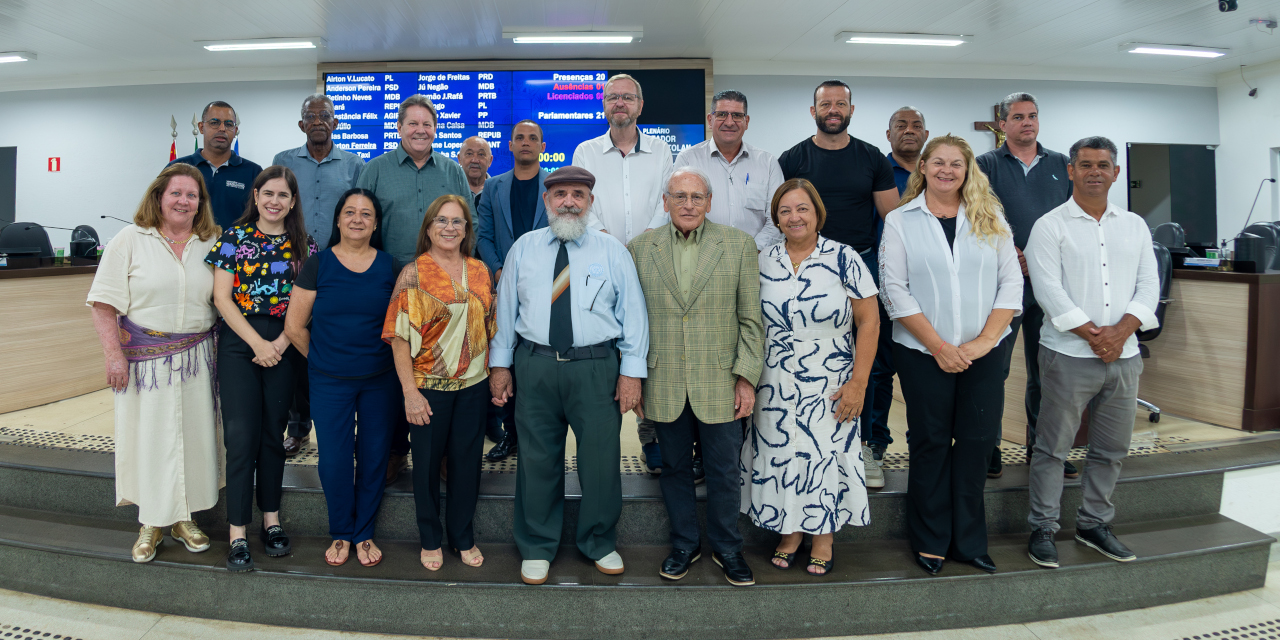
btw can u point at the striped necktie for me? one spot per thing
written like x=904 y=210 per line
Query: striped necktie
x=560 y=333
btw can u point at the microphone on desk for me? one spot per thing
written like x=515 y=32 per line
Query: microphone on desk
x=1255 y=203
x=115 y=218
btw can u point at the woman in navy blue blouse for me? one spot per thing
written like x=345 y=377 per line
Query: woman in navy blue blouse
x=339 y=304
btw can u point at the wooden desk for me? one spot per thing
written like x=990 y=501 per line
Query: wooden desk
x=49 y=350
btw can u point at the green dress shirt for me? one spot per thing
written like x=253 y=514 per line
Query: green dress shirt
x=684 y=250
x=405 y=192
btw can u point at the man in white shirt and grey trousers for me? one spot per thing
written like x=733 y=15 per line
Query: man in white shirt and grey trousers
x=1094 y=273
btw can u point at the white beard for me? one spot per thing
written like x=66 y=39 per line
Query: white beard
x=567 y=223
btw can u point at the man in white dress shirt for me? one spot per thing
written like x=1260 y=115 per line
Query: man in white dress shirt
x=1094 y=273
x=631 y=168
x=743 y=176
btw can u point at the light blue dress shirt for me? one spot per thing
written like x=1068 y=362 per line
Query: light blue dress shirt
x=320 y=184
x=604 y=288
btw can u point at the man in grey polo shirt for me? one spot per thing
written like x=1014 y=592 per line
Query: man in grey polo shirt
x=324 y=170
x=1029 y=180
x=324 y=173
x=410 y=178
x=406 y=182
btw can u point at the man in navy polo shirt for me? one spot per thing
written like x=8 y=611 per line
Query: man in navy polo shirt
x=906 y=135
x=1030 y=181
x=228 y=177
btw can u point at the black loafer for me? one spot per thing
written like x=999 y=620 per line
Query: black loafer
x=1103 y=541
x=238 y=558
x=735 y=568
x=503 y=449
x=1041 y=549
x=276 y=542
x=985 y=563
x=677 y=564
x=1070 y=471
x=932 y=566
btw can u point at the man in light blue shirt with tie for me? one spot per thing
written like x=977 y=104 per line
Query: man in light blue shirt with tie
x=572 y=297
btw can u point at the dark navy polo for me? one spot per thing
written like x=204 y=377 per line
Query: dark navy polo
x=1026 y=195
x=229 y=185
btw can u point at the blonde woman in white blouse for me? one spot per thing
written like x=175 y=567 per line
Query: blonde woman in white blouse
x=951 y=283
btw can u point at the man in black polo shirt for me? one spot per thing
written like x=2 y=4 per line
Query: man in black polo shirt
x=228 y=177
x=855 y=181
x=1030 y=181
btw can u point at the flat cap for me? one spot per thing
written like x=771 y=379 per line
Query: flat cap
x=570 y=174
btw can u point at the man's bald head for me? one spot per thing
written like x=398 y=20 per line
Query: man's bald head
x=475 y=158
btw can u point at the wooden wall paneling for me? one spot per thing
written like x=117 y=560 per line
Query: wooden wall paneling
x=1197 y=364
x=1262 y=383
x=49 y=350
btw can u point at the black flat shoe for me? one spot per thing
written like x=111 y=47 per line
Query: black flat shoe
x=677 y=563
x=932 y=566
x=789 y=558
x=825 y=565
x=276 y=542
x=735 y=568
x=1101 y=539
x=238 y=558
x=984 y=562
x=503 y=449
x=1041 y=548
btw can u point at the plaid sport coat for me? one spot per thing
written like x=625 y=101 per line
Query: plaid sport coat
x=699 y=346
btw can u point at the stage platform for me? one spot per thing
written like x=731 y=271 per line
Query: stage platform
x=60 y=537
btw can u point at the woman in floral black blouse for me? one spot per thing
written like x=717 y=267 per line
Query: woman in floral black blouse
x=255 y=263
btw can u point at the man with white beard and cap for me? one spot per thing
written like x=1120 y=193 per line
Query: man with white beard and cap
x=572 y=295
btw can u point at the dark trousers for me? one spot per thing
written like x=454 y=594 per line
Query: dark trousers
x=1030 y=321
x=879 y=395
x=400 y=435
x=300 y=412
x=555 y=397
x=456 y=430
x=955 y=423
x=501 y=421
x=721 y=447
x=255 y=405
x=353 y=467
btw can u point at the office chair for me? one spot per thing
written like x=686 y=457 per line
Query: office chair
x=1164 y=266
x=27 y=238
x=1270 y=237
x=84 y=242
x=1171 y=236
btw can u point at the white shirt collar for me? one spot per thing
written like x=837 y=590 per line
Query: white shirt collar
x=1074 y=209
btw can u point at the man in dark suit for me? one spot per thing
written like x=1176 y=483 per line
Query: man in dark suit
x=510 y=206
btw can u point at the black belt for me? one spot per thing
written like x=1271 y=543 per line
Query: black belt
x=602 y=350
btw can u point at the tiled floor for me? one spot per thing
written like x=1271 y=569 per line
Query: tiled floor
x=92 y=415
x=1231 y=616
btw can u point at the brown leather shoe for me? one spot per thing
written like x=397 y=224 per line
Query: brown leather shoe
x=293 y=446
x=395 y=465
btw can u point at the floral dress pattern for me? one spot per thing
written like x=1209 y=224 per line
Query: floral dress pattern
x=801 y=469
x=264 y=267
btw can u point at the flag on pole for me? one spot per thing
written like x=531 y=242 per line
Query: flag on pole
x=173 y=151
x=173 y=144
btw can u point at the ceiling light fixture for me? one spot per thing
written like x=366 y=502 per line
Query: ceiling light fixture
x=16 y=56
x=1174 y=50
x=916 y=39
x=572 y=37
x=261 y=44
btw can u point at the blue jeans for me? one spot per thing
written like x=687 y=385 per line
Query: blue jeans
x=879 y=398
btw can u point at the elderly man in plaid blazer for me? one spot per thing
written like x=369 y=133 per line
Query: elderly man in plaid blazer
x=701 y=284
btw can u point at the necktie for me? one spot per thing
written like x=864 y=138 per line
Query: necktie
x=560 y=333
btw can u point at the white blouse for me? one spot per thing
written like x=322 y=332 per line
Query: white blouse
x=954 y=287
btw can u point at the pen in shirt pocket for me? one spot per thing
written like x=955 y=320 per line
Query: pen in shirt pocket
x=587 y=284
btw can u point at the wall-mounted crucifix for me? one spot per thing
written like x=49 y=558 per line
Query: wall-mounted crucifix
x=993 y=126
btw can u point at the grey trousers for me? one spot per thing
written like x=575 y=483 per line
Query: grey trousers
x=1068 y=386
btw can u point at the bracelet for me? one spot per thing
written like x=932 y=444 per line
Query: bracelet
x=935 y=353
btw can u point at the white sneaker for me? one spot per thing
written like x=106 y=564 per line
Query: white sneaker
x=874 y=474
x=534 y=571
x=610 y=564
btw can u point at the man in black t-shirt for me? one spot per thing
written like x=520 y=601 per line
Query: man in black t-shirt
x=854 y=180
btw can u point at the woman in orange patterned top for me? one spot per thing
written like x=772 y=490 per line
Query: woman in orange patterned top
x=439 y=324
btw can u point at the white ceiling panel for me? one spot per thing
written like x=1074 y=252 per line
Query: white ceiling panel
x=122 y=41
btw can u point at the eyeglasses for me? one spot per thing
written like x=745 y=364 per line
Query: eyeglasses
x=310 y=117
x=215 y=123
x=445 y=223
x=724 y=115
x=697 y=199
x=629 y=98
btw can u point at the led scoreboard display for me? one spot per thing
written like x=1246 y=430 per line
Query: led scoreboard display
x=566 y=104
